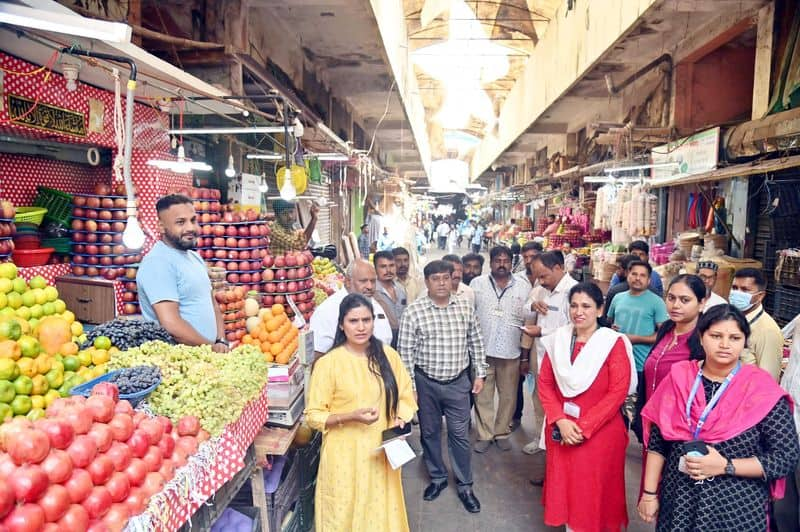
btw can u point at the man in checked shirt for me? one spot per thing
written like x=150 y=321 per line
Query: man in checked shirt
x=440 y=342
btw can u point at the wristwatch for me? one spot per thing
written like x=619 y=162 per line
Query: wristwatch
x=729 y=469
x=222 y=341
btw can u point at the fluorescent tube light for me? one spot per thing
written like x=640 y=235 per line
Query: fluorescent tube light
x=327 y=156
x=265 y=156
x=39 y=19
x=228 y=130
x=640 y=167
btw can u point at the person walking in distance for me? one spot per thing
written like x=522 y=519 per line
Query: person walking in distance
x=500 y=307
x=388 y=292
x=440 y=340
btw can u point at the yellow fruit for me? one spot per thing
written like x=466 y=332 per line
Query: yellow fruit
x=44 y=363
x=53 y=333
x=102 y=342
x=51 y=292
x=28 y=299
x=38 y=282
x=100 y=369
x=51 y=396
x=85 y=357
x=19 y=285
x=49 y=309
x=3 y=300
x=14 y=300
x=100 y=356
x=57 y=365
x=69 y=348
x=27 y=367
x=38 y=401
x=40 y=385
x=39 y=296
x=75 y=327
x=9 y=349
x=61 y=307
x=24 y=312
x=113 y=351
x=69 y=317
x=29 y=346
x=8 y=270
x=55 y=378
x=86 y=373
x=5 y=284
x=37 y=311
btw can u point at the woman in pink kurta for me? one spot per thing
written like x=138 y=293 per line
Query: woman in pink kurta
x=675 y=341
x=586 y=374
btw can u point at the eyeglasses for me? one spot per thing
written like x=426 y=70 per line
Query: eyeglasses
x=707 y=277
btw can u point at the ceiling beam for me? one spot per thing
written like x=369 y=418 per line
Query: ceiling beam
x=709 y=6
x=547 y=128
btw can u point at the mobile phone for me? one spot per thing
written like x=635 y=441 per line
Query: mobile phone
x=396 y=432
x=695 y=448
x=556 y=435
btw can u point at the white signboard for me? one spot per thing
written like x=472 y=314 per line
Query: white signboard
x=693 y=155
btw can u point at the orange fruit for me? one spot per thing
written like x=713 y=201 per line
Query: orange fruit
x=10 y=349
x=273 y=325
x=292 y=346
x=69 y=348
x=293 y=332
x=247 y=339
x=274 y=336
x=268 y=357
x=265 y=347
x=283 y=358
x=277 y=309
x=275 y=349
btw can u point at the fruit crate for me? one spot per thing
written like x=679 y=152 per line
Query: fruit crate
x=134 y=399
x=304 y=510
x=308 y=458
x=207 y=514
x=57 y=203
x=787 y=303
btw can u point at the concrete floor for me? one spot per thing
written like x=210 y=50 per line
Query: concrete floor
x=509 y=503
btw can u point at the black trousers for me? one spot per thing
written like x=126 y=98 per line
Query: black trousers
x=451 y=400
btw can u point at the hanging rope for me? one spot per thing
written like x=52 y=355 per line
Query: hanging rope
x=119 y=127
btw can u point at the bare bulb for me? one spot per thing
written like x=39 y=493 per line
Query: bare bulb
x=288 y=192
x=133 y=236
x=230 y=171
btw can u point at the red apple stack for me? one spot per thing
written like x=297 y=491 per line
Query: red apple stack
x=289 y=276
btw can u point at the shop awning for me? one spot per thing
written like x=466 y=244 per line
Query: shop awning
x=729 y=172
x=157 y=78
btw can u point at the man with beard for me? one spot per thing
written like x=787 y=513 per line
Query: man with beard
x=500 y=307
x=173 y=284
x=389 y=292
x=473 y=267
x=413 y=285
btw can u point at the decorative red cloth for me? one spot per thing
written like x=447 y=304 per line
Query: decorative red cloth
x=585 y=484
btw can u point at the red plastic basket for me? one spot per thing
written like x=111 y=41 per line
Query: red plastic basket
x=25 y=258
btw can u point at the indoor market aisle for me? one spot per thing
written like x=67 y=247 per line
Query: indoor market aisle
x=509 y=502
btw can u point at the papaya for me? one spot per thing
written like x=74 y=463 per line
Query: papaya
x=53 y=332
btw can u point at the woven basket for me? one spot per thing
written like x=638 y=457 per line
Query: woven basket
x=31 y=215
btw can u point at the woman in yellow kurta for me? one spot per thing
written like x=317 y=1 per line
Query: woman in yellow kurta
x=358 y=389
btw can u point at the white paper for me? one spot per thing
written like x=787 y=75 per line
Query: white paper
x=398 y=452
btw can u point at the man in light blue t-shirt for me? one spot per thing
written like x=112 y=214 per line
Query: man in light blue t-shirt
x=173 y=284
x=638 y=312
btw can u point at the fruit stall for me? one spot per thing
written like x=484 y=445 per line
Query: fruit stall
x=121 y=428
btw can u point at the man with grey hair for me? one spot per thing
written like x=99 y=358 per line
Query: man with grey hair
x=360 y=278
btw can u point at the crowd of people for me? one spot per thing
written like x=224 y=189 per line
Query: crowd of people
x=695 y=377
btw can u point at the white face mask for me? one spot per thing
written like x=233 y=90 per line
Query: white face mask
x=740 y=300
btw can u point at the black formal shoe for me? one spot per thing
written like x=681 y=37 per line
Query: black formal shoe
x=433 y=490
x=470 y=501
x=539 y=482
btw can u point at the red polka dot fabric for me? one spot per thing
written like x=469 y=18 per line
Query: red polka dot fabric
x=48 y=271
x=230 y=452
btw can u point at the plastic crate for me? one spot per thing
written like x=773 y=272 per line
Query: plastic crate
x=134 y=399
x=60 y=245
x=280 y=503
x=787 y=303
x=304 y=510
x=308 y=460
x=30 y=215
x=57 y=203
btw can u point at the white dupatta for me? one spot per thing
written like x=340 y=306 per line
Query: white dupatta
x=574 y=378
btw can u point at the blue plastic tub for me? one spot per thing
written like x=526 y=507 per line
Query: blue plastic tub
x=134 y=399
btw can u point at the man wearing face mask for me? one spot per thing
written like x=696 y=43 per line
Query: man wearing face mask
x=765 y=346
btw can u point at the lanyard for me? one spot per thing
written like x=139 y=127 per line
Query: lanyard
x=711 y=404
x=494 y=287
x=755 y=318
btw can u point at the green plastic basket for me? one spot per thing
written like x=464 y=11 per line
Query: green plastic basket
x=30 y=215
x=60 y=245
x=57 y=203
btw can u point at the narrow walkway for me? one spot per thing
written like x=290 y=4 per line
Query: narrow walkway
x=509 y=503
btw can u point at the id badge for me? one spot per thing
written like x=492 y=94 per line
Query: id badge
x=682 y=465
x=497 y=313
x=572 y=410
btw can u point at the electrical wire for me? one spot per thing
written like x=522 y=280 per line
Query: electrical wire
x=385 y=112
x=48 y=68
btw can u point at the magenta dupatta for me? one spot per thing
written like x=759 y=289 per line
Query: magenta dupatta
x=751 y=395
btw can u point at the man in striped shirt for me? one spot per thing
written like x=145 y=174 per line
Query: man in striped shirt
x=440 y=342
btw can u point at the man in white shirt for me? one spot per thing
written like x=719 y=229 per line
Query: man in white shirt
x=550 y=302
x=360 y=278
x=707 y=272
x=442 y=230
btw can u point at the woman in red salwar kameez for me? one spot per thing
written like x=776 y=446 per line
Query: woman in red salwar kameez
x=586 y=374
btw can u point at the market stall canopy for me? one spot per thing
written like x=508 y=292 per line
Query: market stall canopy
x=157 y=79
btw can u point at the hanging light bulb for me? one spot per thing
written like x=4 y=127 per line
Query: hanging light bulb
x=288 y=192
x=133 y=236
x=263 y=187
x=230 y=171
